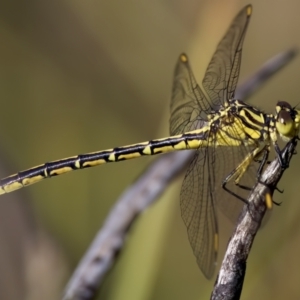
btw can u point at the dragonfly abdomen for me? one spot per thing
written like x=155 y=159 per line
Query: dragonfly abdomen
x=190 y=140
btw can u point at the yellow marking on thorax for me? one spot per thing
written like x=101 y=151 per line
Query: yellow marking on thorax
x=222 y=139
x=259 y=118
x=238 y=130
x=254 y=134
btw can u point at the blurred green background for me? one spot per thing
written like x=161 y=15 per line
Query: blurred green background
x=80 y=76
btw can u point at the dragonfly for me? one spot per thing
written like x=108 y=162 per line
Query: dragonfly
x=231 y=140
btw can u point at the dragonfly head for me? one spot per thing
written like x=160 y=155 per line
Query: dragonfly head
x=287 y=120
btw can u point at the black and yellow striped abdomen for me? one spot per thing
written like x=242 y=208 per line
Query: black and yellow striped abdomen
x=190 y=140
x=233 y=126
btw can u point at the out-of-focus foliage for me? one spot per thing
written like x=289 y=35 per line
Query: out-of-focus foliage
x=81 y=76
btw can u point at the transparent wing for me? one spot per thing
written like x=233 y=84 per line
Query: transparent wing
x=202 y=193
x=222 y=73
x=201 y=189
x=189 y=105
x=198 y=212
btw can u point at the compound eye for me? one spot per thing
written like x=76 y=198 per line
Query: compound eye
x=285 y=123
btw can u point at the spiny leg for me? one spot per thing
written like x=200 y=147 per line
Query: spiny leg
x=263 y=162
x=240 y=170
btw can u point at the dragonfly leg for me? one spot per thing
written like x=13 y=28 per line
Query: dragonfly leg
x=283 y=163
x=259 y=172
x=231 y=192
x=240 y=170
x=263 y=161
x=279 y=190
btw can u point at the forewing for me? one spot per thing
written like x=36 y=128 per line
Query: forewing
x=188 y=103
x=222 y=73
